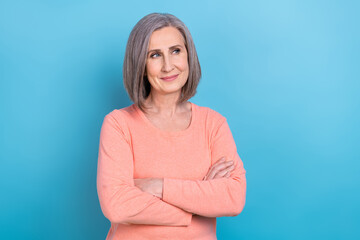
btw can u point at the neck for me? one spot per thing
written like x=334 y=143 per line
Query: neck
x=164 y=104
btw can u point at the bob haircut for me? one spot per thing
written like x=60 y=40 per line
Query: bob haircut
x=135 y=81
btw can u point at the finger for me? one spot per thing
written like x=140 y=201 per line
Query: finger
x=218 y=168
x=222 y=159
x=222 y=166
x=222 y=173
x=211 y=172
x=226 y=175
x=231 y=168
x=219 y=165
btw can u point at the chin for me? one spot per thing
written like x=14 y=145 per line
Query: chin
x=171 y=91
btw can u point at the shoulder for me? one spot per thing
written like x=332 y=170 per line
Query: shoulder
x=210 y=119
x=210 y=116
x=122 y=115
x=121 y=118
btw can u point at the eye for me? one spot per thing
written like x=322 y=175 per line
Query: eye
x=154 y=55
x=177 y=50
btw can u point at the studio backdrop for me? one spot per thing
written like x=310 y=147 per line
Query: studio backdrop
x=285 y=74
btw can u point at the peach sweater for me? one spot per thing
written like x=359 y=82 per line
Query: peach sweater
x=132 y=147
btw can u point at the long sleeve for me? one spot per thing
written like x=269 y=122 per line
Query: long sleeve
x=120 y=200
x=215 y=197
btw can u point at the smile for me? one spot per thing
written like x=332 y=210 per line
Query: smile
x=170 y=78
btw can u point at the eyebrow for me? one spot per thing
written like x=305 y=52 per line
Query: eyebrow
x=172 y=47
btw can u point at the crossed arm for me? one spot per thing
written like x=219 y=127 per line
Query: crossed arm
x=154 y=186
x=166 y=201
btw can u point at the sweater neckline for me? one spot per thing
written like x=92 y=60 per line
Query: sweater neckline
x=164 y=132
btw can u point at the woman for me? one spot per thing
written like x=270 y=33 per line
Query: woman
x=167 y=167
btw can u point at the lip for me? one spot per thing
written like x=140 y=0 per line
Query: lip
x=170 y=78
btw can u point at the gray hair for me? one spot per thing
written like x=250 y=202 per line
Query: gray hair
x=135 y=81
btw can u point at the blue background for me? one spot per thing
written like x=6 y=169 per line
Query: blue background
x=284 y=73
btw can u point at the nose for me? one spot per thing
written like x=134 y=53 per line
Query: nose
x=167 y=64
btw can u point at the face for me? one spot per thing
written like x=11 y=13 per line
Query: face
x=167 y=66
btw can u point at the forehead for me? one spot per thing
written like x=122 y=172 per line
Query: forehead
x=166 y=37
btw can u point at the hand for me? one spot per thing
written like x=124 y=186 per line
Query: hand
x=153 y=186
x=220 y=169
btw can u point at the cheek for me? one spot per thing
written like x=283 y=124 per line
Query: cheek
x=183 y=64
x=152 y=68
